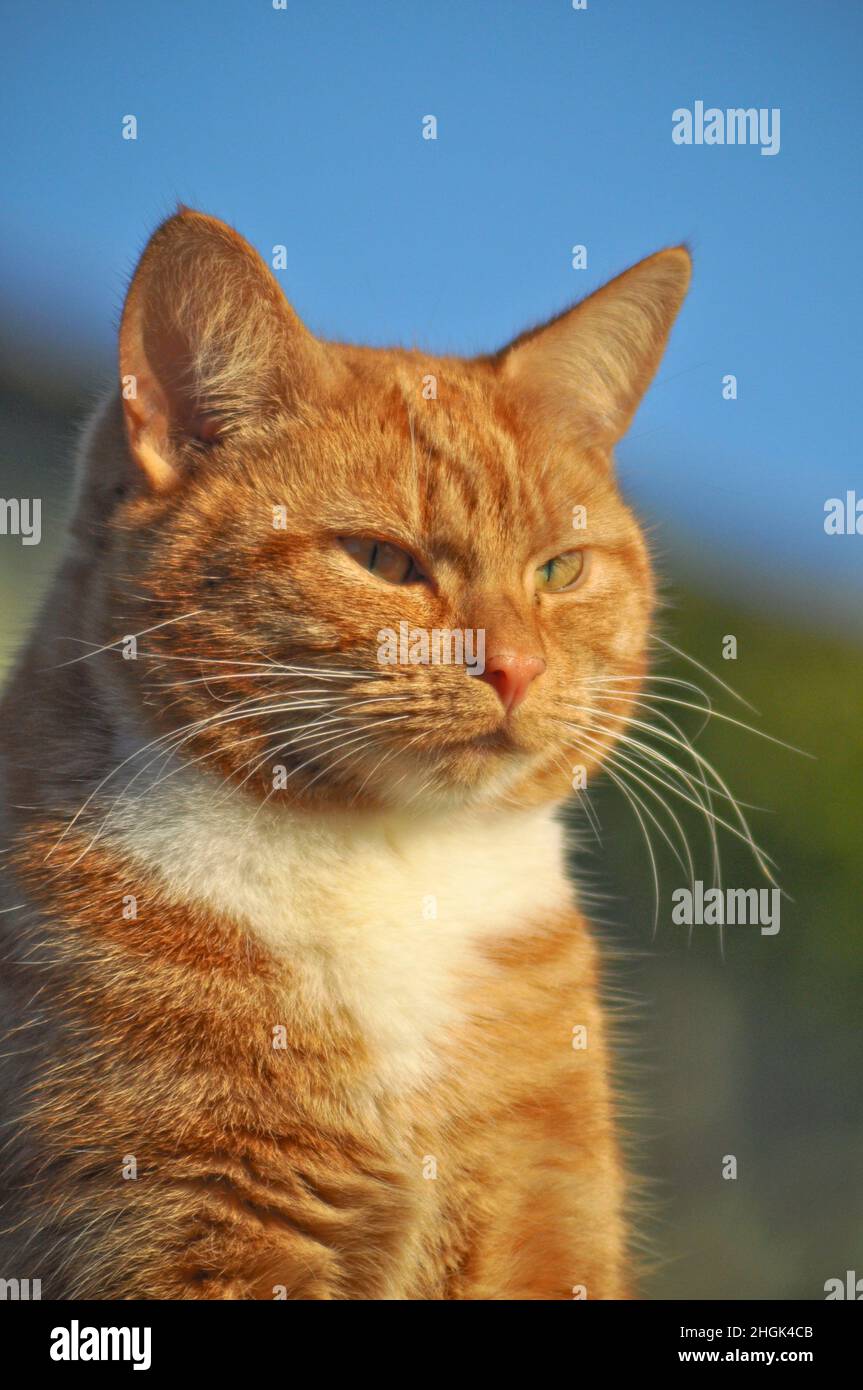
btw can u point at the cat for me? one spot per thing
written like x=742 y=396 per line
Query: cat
x=297 y=997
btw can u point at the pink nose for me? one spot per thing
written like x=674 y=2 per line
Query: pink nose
x=511 y=676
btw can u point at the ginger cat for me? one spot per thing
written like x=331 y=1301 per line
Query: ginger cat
x=291 y=964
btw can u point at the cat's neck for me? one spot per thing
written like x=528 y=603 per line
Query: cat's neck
x=384 y=916
x=273 y=865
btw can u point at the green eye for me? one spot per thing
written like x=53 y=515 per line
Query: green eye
x=563 y=572
x=381 y=558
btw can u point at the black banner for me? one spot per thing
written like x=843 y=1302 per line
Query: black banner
x=84 y=1338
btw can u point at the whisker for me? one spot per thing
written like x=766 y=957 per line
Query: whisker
x=742 y=833
x=194 y=725
x=704 y=669
x=728 y=719
x=647 y=840
x=624 y=763
x=369 y=739
x=126 y=635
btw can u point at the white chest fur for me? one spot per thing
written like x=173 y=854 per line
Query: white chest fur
x=382 y=914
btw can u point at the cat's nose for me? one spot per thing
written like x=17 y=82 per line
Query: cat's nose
x=511 y=676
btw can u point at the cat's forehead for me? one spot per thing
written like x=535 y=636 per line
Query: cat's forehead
x=433 y=454
x=445 y=436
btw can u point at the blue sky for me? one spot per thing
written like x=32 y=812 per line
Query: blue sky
x=303 y=127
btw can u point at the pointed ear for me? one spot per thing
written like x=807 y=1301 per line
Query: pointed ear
x=208 y=342
x=588 y=369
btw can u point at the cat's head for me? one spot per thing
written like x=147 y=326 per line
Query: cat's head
x=307 y=536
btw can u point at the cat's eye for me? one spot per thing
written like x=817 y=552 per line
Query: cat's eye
x=561 y=573
x=383 y=559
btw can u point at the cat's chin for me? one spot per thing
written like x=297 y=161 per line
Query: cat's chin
x=472 y=772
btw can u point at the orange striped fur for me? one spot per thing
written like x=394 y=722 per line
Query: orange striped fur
x=309 y=1033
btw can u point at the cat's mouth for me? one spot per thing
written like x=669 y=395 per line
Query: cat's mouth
x=499 y=741
x=475 y=758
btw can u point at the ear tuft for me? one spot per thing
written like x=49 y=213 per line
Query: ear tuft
x=588 y=369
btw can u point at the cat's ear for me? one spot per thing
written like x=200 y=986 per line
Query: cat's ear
x=588 y=369
x=208 y=342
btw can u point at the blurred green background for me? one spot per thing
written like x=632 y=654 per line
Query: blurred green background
x=759 y=1055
